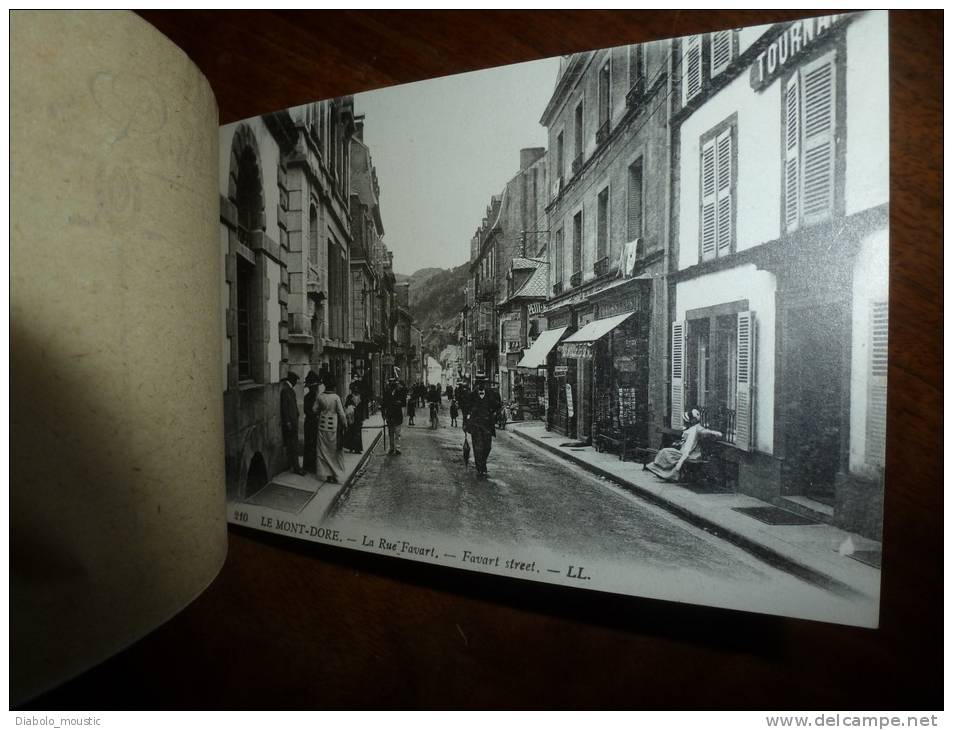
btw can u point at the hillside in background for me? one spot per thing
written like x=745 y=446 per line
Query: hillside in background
x=436 y=299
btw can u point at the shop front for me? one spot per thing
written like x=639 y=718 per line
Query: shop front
x=612 y=372
x=532 y=371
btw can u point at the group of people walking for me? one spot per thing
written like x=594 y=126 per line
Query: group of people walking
x=330 y=425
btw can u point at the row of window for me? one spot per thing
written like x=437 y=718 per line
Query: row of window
x=636 y=72
x=808 y=169
x=634 y=229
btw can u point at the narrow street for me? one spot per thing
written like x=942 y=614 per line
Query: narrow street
x=535 y=499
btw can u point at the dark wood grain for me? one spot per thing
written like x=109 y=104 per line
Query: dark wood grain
x=288 y=625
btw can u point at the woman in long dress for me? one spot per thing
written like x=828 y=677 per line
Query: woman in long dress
x=668 y=462
x=330 y=412
x=311 y=382
x=356 y=411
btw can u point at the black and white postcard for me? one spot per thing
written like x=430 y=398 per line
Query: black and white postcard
x=615 y=320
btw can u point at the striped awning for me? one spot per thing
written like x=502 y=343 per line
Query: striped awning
x=535 y=356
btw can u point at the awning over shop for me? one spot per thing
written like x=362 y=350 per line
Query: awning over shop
x=598 y=329
x=535 y=356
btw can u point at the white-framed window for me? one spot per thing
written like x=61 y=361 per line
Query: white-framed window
x=713 y=360
x=717 y=193
x=809 y=143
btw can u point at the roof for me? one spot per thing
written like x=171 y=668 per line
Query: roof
x=537 y=285
x=519 y=262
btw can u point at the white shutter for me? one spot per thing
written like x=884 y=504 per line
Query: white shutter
x=876 y=441
x=691 y=67
x=817 y=81
x=792 y=154
x=678 y=372
x=708 y=225
x=745 y=375
x=720 y=51
x=723 y=177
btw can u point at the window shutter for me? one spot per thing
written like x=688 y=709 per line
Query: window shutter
x=723 y=176
x=876 y=441
x=792 y=154
x=678 y=373
x=818 y=186
x=744 y=404
x=635 y=202
x=708 y=226
x=691 y=68
x=720 y=51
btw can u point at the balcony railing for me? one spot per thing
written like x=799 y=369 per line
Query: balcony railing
x=601 y=266
x=719 y=418
x=576 y=279
x=602 y=134
x=635 y=95
x=577 y=164
x=557 y=288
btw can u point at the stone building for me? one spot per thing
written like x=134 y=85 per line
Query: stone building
x=608 y=162
x=285 y=235
x=371 y=284
x=779 y=258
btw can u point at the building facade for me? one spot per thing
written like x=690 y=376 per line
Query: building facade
x=608 y=162
x=779 y=265
x=285 y=236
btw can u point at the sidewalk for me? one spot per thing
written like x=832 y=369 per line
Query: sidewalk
x=305 y=496
x=813 y=552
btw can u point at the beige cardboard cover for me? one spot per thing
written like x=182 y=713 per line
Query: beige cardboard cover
x=117 y=487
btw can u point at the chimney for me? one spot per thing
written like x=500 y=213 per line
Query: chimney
x=529 y=155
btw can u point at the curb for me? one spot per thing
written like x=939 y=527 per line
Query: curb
x=768 y=555
x=346 y=487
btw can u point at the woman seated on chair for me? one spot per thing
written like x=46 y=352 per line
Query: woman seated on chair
x=668 y=462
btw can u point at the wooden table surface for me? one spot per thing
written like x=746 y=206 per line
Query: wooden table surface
x=290 y=625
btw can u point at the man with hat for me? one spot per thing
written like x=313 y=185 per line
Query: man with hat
x=289 y=421
x=484 y=407
x=395 y=397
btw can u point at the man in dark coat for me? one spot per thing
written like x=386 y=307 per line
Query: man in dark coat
x=289 y=421
x=395 y=398
x=484 y=407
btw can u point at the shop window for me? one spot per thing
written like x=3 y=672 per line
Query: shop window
x=691 y=68
x=809 y=126
x=712 y=370
x=718 y=182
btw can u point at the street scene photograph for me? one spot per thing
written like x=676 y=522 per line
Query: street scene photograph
x=615 y=320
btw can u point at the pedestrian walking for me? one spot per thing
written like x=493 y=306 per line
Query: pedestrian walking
x=463 y=396
x=394 y=399
x=355 y=407
x=331 y=418
x=411 y=409
x=310 y=458
x=480 y=425
x=434 y=421
x=289 y=422
x=454 y=410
